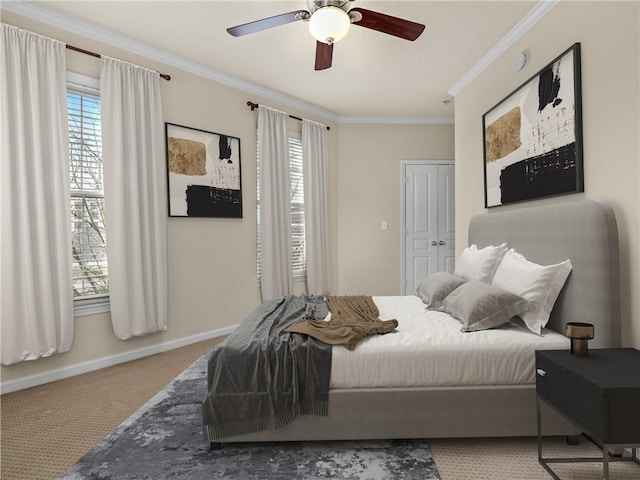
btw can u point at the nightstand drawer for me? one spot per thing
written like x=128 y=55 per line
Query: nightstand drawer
x=601 y=392
x=550 y=383
x=585 y=404
x=575 y=397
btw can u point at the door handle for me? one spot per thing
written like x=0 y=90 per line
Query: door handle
x=441 y=242
x=434 y=243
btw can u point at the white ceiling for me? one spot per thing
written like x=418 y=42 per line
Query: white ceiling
x=373 y=74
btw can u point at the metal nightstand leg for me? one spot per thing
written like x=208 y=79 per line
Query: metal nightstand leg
x=604 y=447
x=541 y=460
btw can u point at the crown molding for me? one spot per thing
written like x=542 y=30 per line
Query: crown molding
x=535 y=14
x=45 y=15
x=42 y=14
x=36 y=11
x=398 y=120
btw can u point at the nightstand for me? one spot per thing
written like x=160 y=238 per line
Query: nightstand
x=600 y=393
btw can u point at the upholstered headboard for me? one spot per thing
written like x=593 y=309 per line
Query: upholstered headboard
x=584 y=232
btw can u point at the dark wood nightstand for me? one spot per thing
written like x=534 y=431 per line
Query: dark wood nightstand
x=600 y=393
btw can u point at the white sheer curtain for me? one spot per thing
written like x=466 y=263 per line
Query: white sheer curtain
x=275 y=209
x=133 y=153
x=36 y=316
x=316 y=210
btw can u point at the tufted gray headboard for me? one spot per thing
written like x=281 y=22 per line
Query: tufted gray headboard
x=584 y=232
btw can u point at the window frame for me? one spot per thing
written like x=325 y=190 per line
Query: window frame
x=99 y=304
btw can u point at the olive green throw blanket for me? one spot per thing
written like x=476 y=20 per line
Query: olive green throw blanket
x=352 y=319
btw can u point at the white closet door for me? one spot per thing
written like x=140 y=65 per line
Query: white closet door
x=428 y=222
x=446 y=219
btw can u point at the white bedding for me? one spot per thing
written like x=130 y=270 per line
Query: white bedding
x=428 y=349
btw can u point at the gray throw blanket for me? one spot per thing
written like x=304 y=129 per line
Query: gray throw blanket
x=262 y=377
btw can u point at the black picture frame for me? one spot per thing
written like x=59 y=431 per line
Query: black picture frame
x=203 y=173
x=532 y=139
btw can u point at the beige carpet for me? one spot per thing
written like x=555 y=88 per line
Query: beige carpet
x=46 y=429
x=517 y=459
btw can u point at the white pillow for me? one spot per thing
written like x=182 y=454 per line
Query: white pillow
x=479 y=264
x=539 y=284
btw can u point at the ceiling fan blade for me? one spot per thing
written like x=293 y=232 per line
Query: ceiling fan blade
x=269 y=22
x=324 y=55
x=395 y=26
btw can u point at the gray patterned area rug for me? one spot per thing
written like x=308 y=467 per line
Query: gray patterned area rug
x=164 y=440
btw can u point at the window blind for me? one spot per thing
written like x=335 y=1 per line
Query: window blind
x=298 y=257
x=89 y=248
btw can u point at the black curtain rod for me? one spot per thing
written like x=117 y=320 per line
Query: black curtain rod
x=97 y=55
x=256 y=105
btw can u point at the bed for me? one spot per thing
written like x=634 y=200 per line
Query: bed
x=505 y=405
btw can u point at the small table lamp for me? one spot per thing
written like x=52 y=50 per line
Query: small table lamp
x=579 y=333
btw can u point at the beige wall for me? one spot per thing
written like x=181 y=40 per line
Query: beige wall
x=211 y=261
x=609 y=37
x=369 y=188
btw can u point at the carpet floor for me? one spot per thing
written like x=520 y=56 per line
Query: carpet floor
x=46 y=429
x=164 y=439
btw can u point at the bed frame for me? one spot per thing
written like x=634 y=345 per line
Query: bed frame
x=583 y=231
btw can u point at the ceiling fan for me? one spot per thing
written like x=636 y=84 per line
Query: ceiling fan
x=329 y=21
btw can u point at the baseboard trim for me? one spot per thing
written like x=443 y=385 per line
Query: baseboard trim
x=84 y=367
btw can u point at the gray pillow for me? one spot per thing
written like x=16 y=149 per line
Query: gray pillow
x=480 y=306
x=434 y=289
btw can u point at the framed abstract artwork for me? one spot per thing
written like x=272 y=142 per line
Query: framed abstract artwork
x=533 y=138
x=203 y=170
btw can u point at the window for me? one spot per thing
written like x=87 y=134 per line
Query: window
x=89 y=248
x=298 y=255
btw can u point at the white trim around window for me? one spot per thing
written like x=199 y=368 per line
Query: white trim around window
x=87 y=306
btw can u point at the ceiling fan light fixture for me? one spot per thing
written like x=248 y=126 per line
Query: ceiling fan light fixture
x=329 y=24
